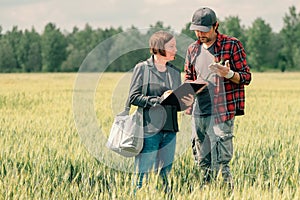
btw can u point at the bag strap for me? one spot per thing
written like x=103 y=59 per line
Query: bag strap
x=144 y=87
x=145 y=79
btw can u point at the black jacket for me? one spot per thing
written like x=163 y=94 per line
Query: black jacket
x=156 y=117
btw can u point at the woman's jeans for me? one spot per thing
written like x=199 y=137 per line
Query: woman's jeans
x=157 y=154
x=212 y=146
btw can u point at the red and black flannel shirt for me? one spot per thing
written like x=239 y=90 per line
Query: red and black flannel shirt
x=229 y=100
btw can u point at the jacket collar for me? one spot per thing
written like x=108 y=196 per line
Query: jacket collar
x=150 y=63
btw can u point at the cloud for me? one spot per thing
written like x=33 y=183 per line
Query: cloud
x=24 y=14
x=161 y=2
x=140 y=13
x=17 y=3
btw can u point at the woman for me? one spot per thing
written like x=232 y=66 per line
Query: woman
x=160 y=122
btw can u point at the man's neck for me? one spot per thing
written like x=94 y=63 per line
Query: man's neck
x=209 y=44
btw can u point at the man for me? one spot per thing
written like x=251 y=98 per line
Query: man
x=219 y=60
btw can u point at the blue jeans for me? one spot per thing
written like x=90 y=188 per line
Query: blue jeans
x=157 y=154
x=212 y=145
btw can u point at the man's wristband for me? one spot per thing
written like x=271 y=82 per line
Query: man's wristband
x=230 y=74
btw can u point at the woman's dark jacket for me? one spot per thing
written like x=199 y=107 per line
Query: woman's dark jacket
x=156 y=117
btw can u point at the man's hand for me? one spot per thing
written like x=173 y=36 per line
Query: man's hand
x=225 y=71
x=221 y=70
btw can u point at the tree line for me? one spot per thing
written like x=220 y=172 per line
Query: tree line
x=57 y=51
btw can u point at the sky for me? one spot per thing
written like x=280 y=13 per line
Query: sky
x=66 y=14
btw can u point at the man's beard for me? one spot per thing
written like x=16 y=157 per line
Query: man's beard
x=204 y=39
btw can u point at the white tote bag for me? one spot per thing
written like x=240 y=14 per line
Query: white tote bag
x=126 y=134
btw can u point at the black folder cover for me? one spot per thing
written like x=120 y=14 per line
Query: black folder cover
x=183 y=90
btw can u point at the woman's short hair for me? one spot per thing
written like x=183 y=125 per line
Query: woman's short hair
x=157 y=42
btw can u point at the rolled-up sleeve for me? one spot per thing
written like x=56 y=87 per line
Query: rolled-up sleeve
x=240 y=63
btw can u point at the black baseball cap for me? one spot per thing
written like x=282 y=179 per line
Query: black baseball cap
x=203 y=19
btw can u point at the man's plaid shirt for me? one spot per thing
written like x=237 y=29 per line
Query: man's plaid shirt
x=229 y=99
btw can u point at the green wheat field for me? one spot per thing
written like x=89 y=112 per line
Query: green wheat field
x=43 y=155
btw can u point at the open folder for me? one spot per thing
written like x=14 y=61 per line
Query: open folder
x=175 y=97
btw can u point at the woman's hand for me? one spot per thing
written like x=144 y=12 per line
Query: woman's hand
x=188 y=100
x=166 y=93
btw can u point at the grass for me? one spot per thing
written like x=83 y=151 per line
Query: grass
x=44 y=154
